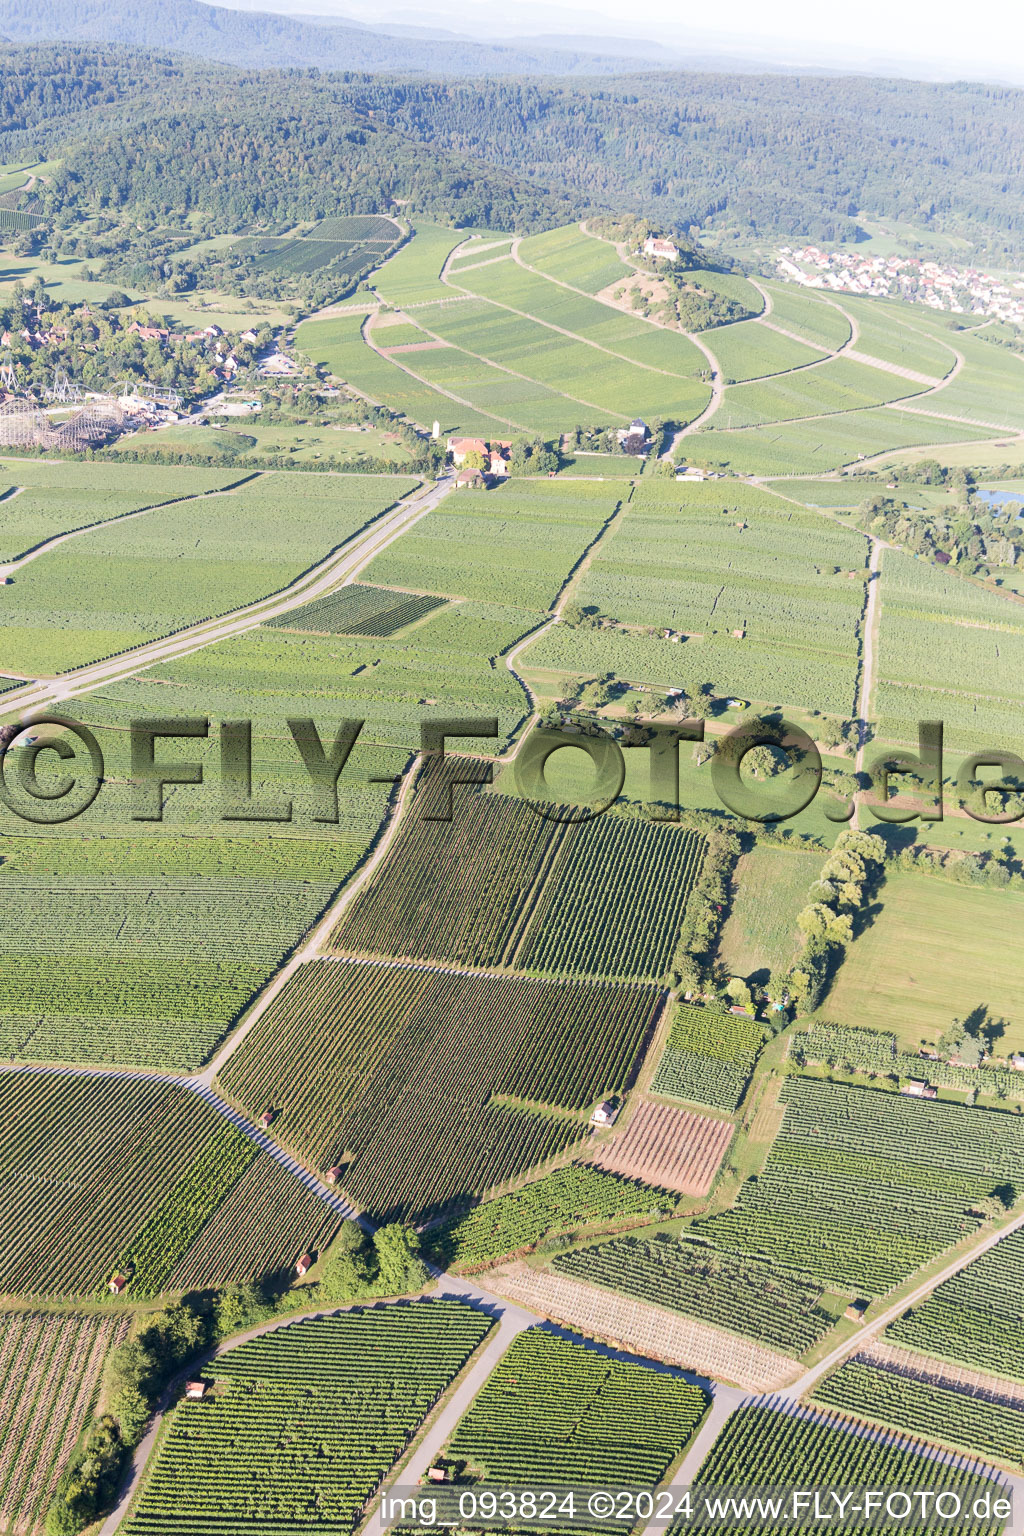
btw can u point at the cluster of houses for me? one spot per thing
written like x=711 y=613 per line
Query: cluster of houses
x=920 y=1088
x=959 y=290
x=478 y=463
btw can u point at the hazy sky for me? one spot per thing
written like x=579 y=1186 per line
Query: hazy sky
x=980 y=39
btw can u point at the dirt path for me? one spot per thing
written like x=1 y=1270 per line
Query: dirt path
x=337 y=570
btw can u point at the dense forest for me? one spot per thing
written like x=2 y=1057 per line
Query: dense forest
x=264 y=39
x=162 y=139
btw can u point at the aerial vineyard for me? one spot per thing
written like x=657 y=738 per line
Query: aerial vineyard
x=148 y=969
x=119 y=586
x=935 y=1413
x=614 y=900
x=559 y=1412
x=669 y=1147
x=50 y=1364
x=432 y=1087
x=306 y=1422
x=453 y=890
x=576 y=1196
x=499 y=884
x=358 y=610
x=646 y=1330
x=862 y=1187
x=877 y=1052
x=709 y=1056
x=744 y=1295
x=975 y=1318
x=771 y=1448
x=108 y=1174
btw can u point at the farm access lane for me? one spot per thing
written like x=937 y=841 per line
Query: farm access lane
x=340 y=568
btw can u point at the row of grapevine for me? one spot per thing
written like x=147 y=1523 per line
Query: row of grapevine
x=771 y=1448
x=863 y=1187
x=451 y=890
x=877 y=1052
x=433 y=1086
x=975 y=1318
x=50 y=1365
x=306 y=1422
x=358 y=610
x=709 y=1056
x=570 y=1197
x=743 y=1294
x=107 y=1174
x=671 y=1147
x=559 y=1412
x=500 y=885
x=955 y=1419
x=614 y=901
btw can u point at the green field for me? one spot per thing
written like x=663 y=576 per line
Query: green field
x=819 y=320
x=305 y=1422
x=809 y=447
x=768 y=1447
x=338 y=344
x=750 y=350
x=39 y=500
x=570 y=256
x=556 y=1411
x=760 y=933
x=412 y=275
x=934 y=952
x=829 y=388
x=114 y=589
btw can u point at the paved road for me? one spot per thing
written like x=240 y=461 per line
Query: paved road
x=337 y=570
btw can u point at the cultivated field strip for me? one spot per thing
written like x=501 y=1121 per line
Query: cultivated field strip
x=645 y=1329
x=430 y=1086
x=740 y=1294
x=50 y=1366
x=557 y=1411
x=499 y=885
x=863 y=1188
x=120 y=1172
x=669 y=1147
x=770 y=1446
x=307 y=1421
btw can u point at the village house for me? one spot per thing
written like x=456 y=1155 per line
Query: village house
x=461 y=447
x=472 y=478
x=917 y=1088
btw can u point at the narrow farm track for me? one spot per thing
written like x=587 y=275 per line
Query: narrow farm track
x=337 y=570
x=867 y=669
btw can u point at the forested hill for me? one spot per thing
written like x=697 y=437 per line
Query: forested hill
x=261 y=39
x=163 y=141
x=796 y=155
x=162 y=136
